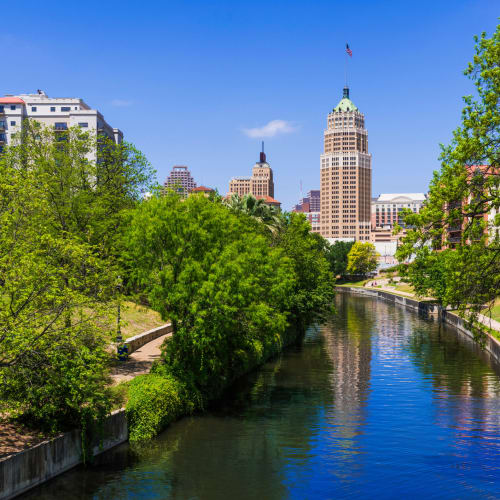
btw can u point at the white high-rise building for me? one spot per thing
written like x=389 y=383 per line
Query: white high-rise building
x=58 y=112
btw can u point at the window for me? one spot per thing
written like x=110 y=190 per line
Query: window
x=1 y=109
x=13 y=107
x=61 y=126
x=12 y=124
x=65 y=108
x=52 y=109
x=33 y=109
x=83 y=124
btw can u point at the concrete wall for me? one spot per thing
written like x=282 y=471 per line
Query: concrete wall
x=138 y=341
x=29 y=468
x=429 y=309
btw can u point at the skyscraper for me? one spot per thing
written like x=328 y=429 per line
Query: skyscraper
x=346 y=174
x=180 y=179
x=261 y=184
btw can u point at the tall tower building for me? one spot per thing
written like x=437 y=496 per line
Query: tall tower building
x=346 y=174
x=261 y=184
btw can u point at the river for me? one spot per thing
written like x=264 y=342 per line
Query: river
x=376 y=403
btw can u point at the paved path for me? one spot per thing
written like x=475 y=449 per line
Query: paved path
x=139 y=362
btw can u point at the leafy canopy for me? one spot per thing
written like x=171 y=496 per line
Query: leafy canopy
x=362 y=258
x=453 y=249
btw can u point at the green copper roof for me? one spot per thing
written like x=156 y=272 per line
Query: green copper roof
x=345 y=103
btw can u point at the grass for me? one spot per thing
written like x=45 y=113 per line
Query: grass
x=404 y=287
x=138 y=319
x=495 y=310
x=361 y=282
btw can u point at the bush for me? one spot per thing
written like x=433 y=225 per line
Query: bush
x=154 y=402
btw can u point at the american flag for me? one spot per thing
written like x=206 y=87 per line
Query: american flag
x=348 y=50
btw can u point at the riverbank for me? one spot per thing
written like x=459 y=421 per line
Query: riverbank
x=429 y=309
x=375 y=402
x=48 y=458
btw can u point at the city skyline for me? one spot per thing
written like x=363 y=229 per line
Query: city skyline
x=173 y=80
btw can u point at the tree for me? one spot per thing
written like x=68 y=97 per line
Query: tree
x=59 y=211
x=215 y=276
x=362 y=258
x=337 y=256
x=454 y=246
x=313 y=292
x=269 y=216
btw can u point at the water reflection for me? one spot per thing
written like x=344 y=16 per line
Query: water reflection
x=375 y=403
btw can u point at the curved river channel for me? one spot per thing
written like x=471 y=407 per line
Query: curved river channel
x=376 y=403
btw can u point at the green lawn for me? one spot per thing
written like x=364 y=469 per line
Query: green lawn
x=404 y=287
x=137 y=319
x=495 y=310
x=353 y=283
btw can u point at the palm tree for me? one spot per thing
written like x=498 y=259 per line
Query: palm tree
x=257 y=209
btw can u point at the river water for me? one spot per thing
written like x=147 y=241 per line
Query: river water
x=376 y=403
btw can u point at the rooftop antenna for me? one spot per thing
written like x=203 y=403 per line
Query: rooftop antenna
x=262 y=154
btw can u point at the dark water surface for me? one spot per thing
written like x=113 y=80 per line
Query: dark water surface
x=377 y=403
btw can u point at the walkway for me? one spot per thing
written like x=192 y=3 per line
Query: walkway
x=139 y=362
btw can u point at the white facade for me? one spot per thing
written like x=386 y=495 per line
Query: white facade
x=386 y=208
x=60 y=113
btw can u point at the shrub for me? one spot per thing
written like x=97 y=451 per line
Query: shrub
x=154 y=402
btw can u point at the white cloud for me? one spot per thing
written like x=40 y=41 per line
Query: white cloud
x=120 y=103
x=271 y=129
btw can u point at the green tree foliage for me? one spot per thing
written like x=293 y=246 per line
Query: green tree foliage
x=337 y=256
x=362 y=258
x=229 y=289
x=216 y=278
x=59 y=210
x=314 y=283
x=454 y=248
x=269 y=216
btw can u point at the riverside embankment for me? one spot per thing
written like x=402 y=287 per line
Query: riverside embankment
x=377 y=402
x=33 y=466
x=429 y=309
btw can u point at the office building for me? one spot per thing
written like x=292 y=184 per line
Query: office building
x=180 y=180
x=346 y=174
x=260 y=184
x=310 y=207
x=57 y=112
x=386 y=209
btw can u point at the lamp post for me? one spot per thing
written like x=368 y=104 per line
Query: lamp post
x=122 y=349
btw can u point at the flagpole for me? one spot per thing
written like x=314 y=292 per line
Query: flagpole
x=346 y=68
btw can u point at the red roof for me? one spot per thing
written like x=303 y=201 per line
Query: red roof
x=11 y=100
x=201 y=189
x=268 y=199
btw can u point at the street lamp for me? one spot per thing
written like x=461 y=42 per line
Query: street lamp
x=122 y=349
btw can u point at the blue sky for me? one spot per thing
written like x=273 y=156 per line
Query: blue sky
x=187 y=82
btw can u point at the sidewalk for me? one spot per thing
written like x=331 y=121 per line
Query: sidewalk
x=139 y=362
x=15 y=438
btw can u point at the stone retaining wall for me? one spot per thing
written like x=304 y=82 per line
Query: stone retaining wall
x=428 y=309
x=134 y=343
x=31 y=467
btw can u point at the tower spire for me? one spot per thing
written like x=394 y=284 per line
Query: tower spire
x=346 y=92
x=262 y=154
